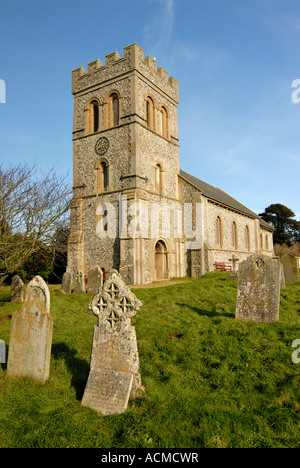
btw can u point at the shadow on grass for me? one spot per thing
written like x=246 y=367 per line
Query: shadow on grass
x=208 y=313
x=79 y=368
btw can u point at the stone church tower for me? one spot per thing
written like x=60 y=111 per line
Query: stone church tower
x=126 y=158
x=133 y=209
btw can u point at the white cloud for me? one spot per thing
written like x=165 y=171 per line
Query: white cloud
x=159 y=27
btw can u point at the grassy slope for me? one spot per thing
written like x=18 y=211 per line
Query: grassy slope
x=210 y=381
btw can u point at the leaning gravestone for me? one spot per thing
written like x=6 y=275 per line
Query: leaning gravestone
x=114 y=369
x=79 y=286
x=94 y=280
x=31 y=335
x=66 y=285
x=258 y=290
x=17 y=288
x=290 y=268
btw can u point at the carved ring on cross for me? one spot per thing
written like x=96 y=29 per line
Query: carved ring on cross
x=99 y=304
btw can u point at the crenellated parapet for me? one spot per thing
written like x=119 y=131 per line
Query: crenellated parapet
x=115 y=66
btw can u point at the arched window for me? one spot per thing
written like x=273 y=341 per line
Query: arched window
x=247 y=238
x=267 y=243
x=150 y=112
x=219 y=235
x=261 y=241
x=164 y=130
x=95 y=120
x=158 y=178
x=112 y=102
x=234 y=236
x=115 y=108
x=101 y=176
x=92 y=116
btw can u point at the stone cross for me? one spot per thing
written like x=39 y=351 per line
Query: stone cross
x=114 y=369
x=234 y=260
x=79 y=286
x=31 y=335
x=233 y=274
x=258 y=290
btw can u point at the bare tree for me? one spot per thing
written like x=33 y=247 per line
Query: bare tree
x=33 y=207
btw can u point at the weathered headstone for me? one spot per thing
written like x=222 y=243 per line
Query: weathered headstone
x=258 y=290
x=66 y=285
x=31 y=335
x=38 y=290
x=114 y=369
x=290 y=267
x=94 y=280
x=79 y=286
x=282 y=278
x=17 y=289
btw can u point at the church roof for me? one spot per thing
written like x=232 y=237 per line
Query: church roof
x=217 y=195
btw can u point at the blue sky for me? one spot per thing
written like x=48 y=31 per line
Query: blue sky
x=235 y=61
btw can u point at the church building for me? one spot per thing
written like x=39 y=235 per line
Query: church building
x=133 y=208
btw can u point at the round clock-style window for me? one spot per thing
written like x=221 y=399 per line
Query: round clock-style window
x=101 y=146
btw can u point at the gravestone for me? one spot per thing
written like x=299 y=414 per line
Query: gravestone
x=38 y=290
x=233 y=274
x=79 y=286
x=114 y=369
x=31 y=335
x=290 y=267
x=258 y=290
x=2 y=352
x=94 y=280
x=17 y=289
x=66 y=285
x=282 y=278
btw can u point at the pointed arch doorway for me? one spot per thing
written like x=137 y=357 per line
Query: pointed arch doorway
x=161 y=261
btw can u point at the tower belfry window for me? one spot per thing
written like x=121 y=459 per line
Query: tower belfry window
x=164 y=121
x=115 y=108
x=150 y=108
x=95 y=116
x=112 y=102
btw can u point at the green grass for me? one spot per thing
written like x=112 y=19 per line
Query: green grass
x=209 y=380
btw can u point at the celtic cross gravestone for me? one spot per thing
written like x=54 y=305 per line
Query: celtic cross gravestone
x=114 y=369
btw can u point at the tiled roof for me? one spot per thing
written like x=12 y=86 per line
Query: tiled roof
x=217 y=195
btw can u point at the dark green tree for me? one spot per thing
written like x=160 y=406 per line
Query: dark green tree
x=286 y=229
